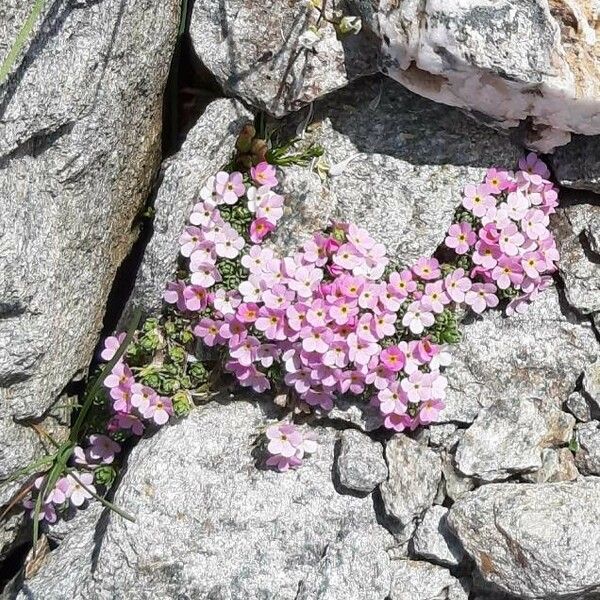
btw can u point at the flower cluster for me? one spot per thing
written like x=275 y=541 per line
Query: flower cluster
x=503 y=234
x=77 y=487
x=334 y=318
x=287 y=446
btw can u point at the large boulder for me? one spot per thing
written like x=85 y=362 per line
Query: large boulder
x=534 y=541
x=506 y=61
x=210 y=524
x=79 y=147
x=277 y=55
x=508 y=438
x=539 y=354
x=398 y=164
x=208 y=147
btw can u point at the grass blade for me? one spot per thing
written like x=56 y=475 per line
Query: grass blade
x=22 y=37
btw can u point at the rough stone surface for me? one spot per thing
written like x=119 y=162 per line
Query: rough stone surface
x=210 y=524
x=80 y=131
x=587 y=457
x=579 y=264
x=354 y=411
x=576 y=165
x=508 y=438
x=414 y=476
x=410 y=159
x=534 y=541
x=557 y=465
x=256 y=50
x=539 y=354
x=416 y=580
x=434 y=541
x=591 y=382
x=360 y=464
x=579 y=407
x=207 y=148
x=456 y=484
x=506 y=60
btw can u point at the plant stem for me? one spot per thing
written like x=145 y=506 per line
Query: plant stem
x=18 y=44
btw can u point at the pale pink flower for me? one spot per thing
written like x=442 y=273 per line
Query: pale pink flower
x=264 y=174
x=159 y=410
x=427 y=269
x=457 y=284
x=111 y=345
x=481 y=296
x=230 y=187
x=460 y=237
x=417 y=318
x=477 y=199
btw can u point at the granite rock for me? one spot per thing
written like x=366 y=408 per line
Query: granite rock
x=508 y=438
x=80 y=131
x=206 y=149
x=416 y=580
x=539 y=354
x=579 y=407
x=433 y=540
x=587 y=456
x=360 y=464
x=398 y=164
x=261 y=53
x=414 y=476
x=533 y=541
x=557 y=465
x=579 y=264
x=210 y=524
x=506 y=61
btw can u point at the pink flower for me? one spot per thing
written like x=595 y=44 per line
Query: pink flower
x=284 y=439
x=259 y=229
x=124 y=421
x=508 y=272
x=321 y=399
x=533 y=264
x=190 y=239
x=393 y=358
x=535 y=224
x=195 y=298
x=429 y=411
x=142 y=395
x=497 y=180
x=80 y=489
x=208 y=331
x=511 y=239
x=159 y=410
x=427 y=269
x=264 y=174
x=477 y=199
x=417 y=318
x=534 y=169
x=435 y=297
x=229 y=187
x=271 y=208
x=481 y=296
x=402 y=284
x=120 y=375
x=174 y=294
x=111 y=345
x=270 y=323
x=102 y=449
x=460 y=237
x=416 y=387
x=246 y=352
x=457 y=285
x=383 y=325
x=257 y=259
x=204 y=275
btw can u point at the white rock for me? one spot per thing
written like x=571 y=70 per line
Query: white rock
x=434 y=541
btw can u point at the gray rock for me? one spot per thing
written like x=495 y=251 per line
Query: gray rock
x=442 y=435
x=579 y=407
x=456 y=484
x=557 y=465
x=506 y=61
x=434 y=541
x=591 y=382
x=508 y=438
x=414 y=476
x=538 y=354
x=354 y=567
x=207 y=149
x=360 y=464
x=587 y=457
x=358 y=413
x=416 y=580
x=576 y=165
x=79 y=146
x=579 y=265
x=534 y=541
x=410 y=161
x=210 y=524
x=257 y=52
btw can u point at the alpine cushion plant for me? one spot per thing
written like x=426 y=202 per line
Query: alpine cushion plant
x=335 y=318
